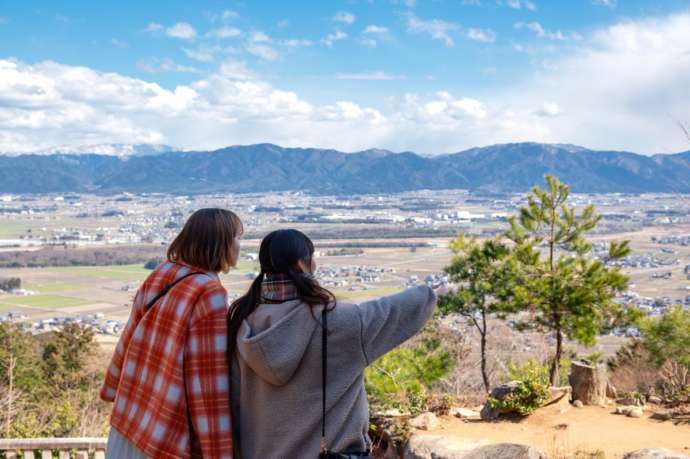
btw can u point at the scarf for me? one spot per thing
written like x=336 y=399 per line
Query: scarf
x=278 y=288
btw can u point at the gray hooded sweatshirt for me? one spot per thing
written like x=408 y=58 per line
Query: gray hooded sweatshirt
x=276 y=374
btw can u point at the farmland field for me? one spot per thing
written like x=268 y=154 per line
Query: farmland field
x=44 y=301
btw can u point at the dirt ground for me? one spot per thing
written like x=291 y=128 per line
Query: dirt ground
x=561 y=434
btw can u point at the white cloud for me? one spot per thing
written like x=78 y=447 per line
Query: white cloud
x=295 y=42
x=520 y=4
x=154 y=27
x=223 y=16
x=331 y=38
x=377 y=76
x=181 y=30
x=201 y=54
x=228 y=14
x=541 y=32
x=72 y=106
x=374 y=29
x=259 y=37
x=259 y=45
x=436 y=28
x=621 y=89
x=607 y=3
x=224 y=32
x=407 y=3
x=482 y=35
x=346 y=112
x=236 y=70
x=118 y=43
x=156 y=65
x=442 y=109
x=548 y=110
x=372 y=34
x=263 y=51
x=344 y=17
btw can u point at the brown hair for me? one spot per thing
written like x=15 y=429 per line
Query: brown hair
x=206 y=239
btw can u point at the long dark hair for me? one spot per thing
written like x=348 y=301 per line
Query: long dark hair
x=279 y=253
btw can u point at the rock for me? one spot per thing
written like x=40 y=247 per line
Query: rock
x=559 y=401
x=424 y=446
x=655 y=453
x=655 y=399
x=662 y=415
x=578 y=404
x=624 y=410
x=635 y=412
x=462 y=413
x=425 y=421
x=630 y=401
x=489 y=413
x=558 y=394
x=505 y=451
x=589 y=383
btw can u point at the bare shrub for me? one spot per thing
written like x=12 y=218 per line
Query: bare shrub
x=675 y=380
x=631 y=369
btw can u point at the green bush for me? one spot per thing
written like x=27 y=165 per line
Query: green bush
x=49 y=383
x=668 y=337
x=532 y=391
x=402 y=378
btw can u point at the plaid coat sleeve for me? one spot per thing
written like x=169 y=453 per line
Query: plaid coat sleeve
x=112 y=375
x=207 y=378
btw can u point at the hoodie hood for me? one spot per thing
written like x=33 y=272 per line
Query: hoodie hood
x=273 y=339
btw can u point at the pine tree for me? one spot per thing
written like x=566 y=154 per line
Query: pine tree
x=483 y=272
x=567 y=290
x=66 y=355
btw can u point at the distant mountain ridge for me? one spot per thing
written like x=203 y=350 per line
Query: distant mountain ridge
x=111 y=149
x=266 y=167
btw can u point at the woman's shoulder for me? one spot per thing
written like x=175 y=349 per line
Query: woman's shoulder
x=170 y=271
x=344 y=312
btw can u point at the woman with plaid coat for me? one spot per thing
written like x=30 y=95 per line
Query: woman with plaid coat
x=168 y=377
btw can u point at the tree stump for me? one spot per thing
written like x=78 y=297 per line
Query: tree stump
x=589 y=383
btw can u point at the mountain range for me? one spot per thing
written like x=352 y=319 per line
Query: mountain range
x=265 y=167
x=111 y=149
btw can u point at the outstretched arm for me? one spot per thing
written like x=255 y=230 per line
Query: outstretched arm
x=391 y=320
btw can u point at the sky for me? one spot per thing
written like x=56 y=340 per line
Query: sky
x=429 y=76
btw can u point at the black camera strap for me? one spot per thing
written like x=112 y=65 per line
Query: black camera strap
x=324 y=352
x=167 y=288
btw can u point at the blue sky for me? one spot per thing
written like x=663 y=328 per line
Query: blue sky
x=431 y=76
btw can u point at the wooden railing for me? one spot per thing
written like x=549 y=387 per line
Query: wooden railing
x=45 y=448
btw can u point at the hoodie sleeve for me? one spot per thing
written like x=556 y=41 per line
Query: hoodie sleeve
x=389 y=321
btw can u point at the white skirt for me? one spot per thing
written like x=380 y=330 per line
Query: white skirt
x=119 y=447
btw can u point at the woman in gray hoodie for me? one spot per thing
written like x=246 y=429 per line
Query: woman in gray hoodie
x=276 y=343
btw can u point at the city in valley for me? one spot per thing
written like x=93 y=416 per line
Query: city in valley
x=81 y=257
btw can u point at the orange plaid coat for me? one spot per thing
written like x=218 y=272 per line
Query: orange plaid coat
x=168 y=377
